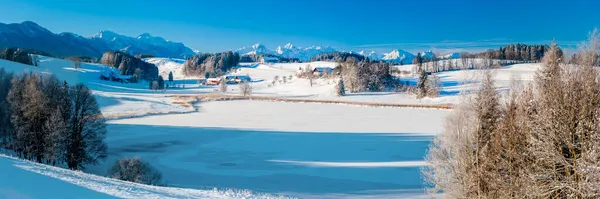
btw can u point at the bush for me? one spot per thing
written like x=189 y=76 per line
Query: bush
x=135 y=170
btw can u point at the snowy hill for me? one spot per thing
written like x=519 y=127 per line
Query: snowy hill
x=167 y=65
x=24 y=179
x=31 y=35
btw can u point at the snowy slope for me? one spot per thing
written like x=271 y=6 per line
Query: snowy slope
x=24 y=179
x=167 y=65
x=115 y=99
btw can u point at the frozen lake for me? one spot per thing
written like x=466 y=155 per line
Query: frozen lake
x=273 y=162
x=301 y=164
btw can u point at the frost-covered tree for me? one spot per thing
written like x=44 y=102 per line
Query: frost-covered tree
x=223 y=85
x=542 y=142
x=340 y=90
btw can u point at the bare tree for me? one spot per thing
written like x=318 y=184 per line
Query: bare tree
x=245 y=88
x=223 y=85
x=433 y=86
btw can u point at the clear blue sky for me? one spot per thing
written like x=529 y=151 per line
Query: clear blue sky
x=215 y=25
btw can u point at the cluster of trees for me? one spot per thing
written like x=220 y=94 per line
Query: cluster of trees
x=541 y=142
x=518 y=52
x=256 y=58
x=338 y=57
x=48 y=121
x=135 y=170
x=129 y=65
x=211 y=65
x=21 y=55
x=361 y=76
x=427 y=84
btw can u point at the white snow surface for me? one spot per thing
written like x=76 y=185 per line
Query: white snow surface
x=291 y=117
x=168 y=65
x=306 y=150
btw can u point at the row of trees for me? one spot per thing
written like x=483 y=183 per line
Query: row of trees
x=518 y=52
x=338 y=57
x=48 y=121
x=211 y=65
x=541 y=142
x=256 y=58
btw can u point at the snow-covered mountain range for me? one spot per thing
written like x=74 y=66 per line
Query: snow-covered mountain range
x=304 y=54
x=31 y=35
x=288 y=51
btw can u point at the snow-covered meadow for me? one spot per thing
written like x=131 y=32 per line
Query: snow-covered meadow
x=305 y=150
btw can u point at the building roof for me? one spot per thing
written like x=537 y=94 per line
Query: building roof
x=244 y=77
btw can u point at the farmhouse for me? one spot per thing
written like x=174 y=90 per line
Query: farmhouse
x=213 y=81
x=237 y=78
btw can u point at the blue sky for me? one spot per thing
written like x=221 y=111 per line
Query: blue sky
x=210 y=25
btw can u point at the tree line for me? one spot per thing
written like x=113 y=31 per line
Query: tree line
x=256 y=58
x=338 y=57
x=517 y=52
x=211 y=65
x=540 y=142
x=21 y=55
x=45 y=120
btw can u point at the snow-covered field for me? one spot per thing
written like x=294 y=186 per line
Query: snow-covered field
x=305 y=150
